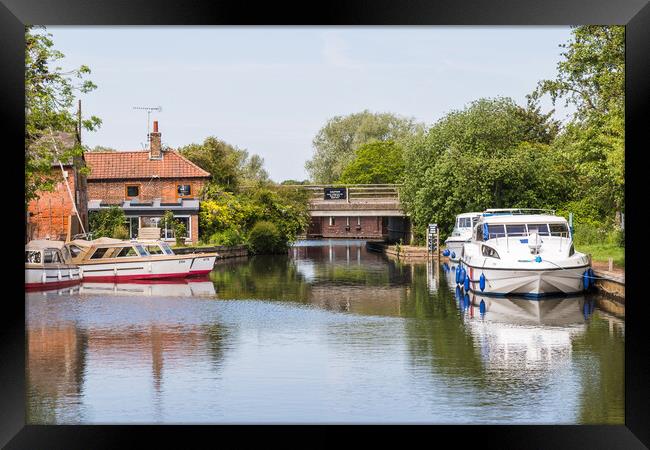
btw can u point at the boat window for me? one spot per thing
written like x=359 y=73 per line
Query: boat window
x=516 y=229
x=51 y=256
x=496 y=231
x=125 y=252
x=66 y=253
x=154 y=250
x=100 y=252
x=559 y=229
x=167 y=249
x=142 y=251
x=489 y=252
x=33 y=257
x=464 y=222
x=539 y=228
x=572 y=250
x=479 y=233
x=75 y=250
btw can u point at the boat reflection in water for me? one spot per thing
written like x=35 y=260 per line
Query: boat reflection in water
x=185 y=287
x=182 y=287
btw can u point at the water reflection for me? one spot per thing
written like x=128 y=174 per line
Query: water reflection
x=328 y=331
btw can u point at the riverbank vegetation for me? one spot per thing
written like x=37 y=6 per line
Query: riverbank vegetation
x=241 y=205
x=495 y=153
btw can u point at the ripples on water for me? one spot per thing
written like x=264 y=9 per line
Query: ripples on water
x=329 y=333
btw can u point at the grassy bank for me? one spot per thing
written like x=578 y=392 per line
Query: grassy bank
x=602 y=252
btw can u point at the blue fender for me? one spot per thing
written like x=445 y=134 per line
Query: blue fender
x=481 y=282
x=467 y=280
x=585 y=280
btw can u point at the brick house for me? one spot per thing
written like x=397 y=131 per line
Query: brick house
x=51 y=215
x=145 y=184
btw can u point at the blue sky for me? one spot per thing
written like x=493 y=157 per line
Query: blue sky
x=270 y=89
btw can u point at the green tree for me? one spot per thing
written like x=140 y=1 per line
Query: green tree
x=375 y=163
x=229 y=166
x=108 y=222
x=49 y=99
x=591 y=77
x=222 y=160
x=492 y=154
x=335 y=143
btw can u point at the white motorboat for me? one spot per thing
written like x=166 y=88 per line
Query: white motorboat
x=461 y=234
x=107 y=259
x=523 y=252
x=48 y=265
x=202 y=264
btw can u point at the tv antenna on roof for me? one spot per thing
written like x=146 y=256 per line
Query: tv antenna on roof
x=149 y=109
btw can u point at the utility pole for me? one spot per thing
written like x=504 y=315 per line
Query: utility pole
x=79 y=123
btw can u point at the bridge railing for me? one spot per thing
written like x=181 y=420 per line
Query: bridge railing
x=355 y=192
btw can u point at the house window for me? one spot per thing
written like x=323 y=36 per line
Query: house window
x=184 y=190
x=358 y=221
x=132 y=190
x=332 y=221
x=347 y=221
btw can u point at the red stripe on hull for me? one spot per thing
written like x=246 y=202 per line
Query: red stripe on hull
x=55 y=284
x=200 y=272
x=134 y=277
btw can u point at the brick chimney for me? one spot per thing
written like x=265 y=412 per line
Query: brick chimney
x=155 y=150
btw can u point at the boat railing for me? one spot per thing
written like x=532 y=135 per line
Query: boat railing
x=517 y=211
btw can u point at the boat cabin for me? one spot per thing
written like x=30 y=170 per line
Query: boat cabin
x=105 y=248
x=44 y=251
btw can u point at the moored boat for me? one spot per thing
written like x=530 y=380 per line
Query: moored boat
x=522 y=252
x=461 y=234
x=202 y=264
x=48 y=265
x=107 y=259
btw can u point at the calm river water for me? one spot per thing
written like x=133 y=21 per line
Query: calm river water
x=330 y=333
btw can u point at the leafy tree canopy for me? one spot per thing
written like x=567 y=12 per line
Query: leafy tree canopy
x=49 y=100
x=335 y=143
x=375 y=163
x=229 y=166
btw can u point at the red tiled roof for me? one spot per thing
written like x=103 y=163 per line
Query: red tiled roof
x=136 y=164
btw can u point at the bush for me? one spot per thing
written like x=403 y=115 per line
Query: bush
x=121 y=232
x=227 y=237
x=265 y=238
x=108 y=223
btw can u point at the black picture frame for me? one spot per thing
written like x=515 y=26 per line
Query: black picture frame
x=635 y=14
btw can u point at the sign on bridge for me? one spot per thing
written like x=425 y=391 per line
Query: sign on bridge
x=335 y=193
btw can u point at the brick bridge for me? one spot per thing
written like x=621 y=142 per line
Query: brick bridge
x=360 y=211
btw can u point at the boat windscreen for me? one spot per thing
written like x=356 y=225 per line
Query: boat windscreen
x=142 y=251
x=167 y=249
x=464 y=222
x=539 y=228
x=496 y=231
x=154 y=249
x=516 y=229
x=559 y=229
x=32 y=256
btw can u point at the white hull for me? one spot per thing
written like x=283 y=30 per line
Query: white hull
x=535 y=283
x=202 y=265
x=45 y=277
x=137 y=270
